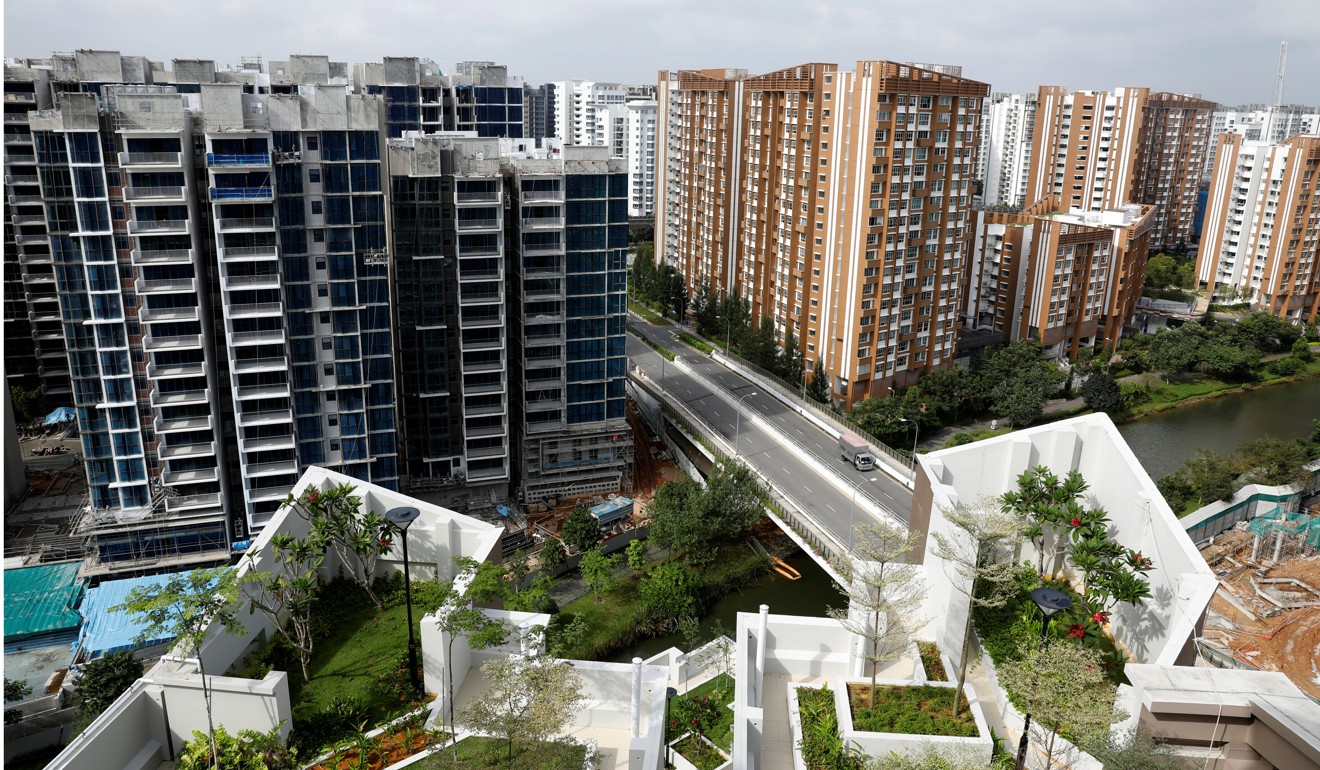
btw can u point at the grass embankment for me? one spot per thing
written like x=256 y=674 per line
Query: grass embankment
x=617 y=619
x=478 y=753
x=1169 y=395
x=645 y=312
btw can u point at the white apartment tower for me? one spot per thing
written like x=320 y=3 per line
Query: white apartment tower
x=1261 y=239
x=641 y=158
x=582 y=110
x=1006 y=147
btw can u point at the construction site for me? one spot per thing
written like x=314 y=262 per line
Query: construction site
x=1266 y=613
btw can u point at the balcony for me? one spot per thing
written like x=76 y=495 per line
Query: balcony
x=247 y=159
x=536 y=223
x=170 y=425
x=151 y=159
x=270 y=469
x=199 y=449
x=497 y=430
x=496 y=451
x=476 y=224
x=155 y=193
x=484 y=196
x=266 y=442
x=543 y=195
x=266 y=417
x=188 y=477
x=190 y=369
x=188 y=502
x=249 y=253
x=29 y=219
x=543 y=251
x=255 y=309
x=158 y=226
x=150 y=315
x=266 y=494
x=31 y=239
x=484 y=366
x=242 y=193
x=483 y=411
x=254 y=223
x=546 y=426
x=162 y=257
x=152 y=342
x=259 y=337
x=484 y=298
x=245 y=392
x=179 y=398
x=274 y=363
x=166 y=286
x=257 y=281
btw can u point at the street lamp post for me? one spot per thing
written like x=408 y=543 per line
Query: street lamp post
x=1051 y=602
x=402 y=518
x=916 y=434
x=737 y=422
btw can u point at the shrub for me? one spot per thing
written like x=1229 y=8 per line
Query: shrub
x=960 y=438
x=249 y=750
x=105 y=679
x=1287 y=367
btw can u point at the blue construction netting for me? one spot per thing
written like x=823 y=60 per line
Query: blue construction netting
x=105 y=630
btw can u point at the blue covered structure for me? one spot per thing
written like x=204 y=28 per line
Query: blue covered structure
x=104 y=630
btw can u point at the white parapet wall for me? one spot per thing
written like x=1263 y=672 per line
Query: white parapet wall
x=137 y=721
x=1159 y=631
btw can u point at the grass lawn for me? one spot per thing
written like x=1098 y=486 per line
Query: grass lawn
x=719 y=689
x=909 y=710
x=645 y=312
x=481 y=753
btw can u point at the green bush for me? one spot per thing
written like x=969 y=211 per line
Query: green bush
x=960 y=438
x=1287 y=367
x=249 y=750
x=105 y=679
x=821 y=744
x=910 y=710
x=695 y=342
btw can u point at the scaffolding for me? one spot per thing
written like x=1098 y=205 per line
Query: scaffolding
x=1293 y=534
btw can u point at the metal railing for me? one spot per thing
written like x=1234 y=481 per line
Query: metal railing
x=150 y=158
x=166 y=255
x=478 y=224
x=241 y=193
x=263 y=334
x=156 y=225
x=250 y=280
x=257 y=363
x=243 y=159
x=143 y=193
x=248 y=223
x=256 y=308
x=250 y=251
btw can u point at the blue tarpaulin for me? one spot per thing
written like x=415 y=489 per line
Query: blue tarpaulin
x=104 y=630
x=63 y=414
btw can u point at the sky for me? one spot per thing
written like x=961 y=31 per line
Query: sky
x=1225 y=50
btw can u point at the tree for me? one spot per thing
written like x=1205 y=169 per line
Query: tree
x=1019 y=380
x=882 y=418
x=458 y=617
x=1060 y=684
x=1133 y=750
x=761 y=348
x=1048 y=505
x=29 y=404
x=16 y=689
x=733 y=502
x=818 y=388
x=669 y=593
x=1177 y=350
x=975 y=554
x=598 y=570
x=359 y=539
x=287 y=593
x=636 y=555
x=949 y=392
x=684 y=517
x=553 y=554
x=187 y=606
x=1212 y=475
x=705 y=309
x=676 y=294
x=1276 y=462
x=1177 y=491
x=1301 y=350
x=580 y=529
x=672 y=512
x=884 y=592
x=788 y=364
x=1102 y=393
x=526 y=702
x=1161 y=271
x=103 y=680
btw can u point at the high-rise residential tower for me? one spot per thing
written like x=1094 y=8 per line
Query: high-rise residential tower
x=1261 y=241
x=641 y=151
x=1006 y=148
x=836 y=202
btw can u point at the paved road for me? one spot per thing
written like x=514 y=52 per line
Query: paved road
x=770 y=452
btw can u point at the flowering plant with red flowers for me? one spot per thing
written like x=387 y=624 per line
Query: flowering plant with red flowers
x=1077 y=630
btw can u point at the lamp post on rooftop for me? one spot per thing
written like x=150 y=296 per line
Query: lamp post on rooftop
x=1051 y=602
x=402 y=518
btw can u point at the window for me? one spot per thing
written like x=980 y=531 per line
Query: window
x=314 y=175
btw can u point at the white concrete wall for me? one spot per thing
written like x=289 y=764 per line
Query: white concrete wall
x=1159 y=631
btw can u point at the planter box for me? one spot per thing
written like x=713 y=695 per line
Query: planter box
x=681 y=762
x=882 y=744
x=795 y=724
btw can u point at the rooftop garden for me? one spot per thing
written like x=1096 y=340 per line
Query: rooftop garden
x=480 y=753
x=821 y=744
x=913 y=710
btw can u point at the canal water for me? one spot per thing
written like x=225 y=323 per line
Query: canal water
x=1163 y=442
x=809 y=596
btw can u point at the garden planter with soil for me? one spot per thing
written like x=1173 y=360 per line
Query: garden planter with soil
x=693 y=751
x=908 y=717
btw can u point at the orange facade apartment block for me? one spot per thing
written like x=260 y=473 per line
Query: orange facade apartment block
x=837 y=202
x=1261 y=237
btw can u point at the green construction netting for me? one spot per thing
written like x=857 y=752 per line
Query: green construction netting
x=41 y=600
x=1290 y=524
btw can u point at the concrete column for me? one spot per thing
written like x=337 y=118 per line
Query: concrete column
x=637 y=698
x=1255 y=547
x=1278 y=546
x=762 y=636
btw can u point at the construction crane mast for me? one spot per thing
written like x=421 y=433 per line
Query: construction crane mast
x=1278 y=82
